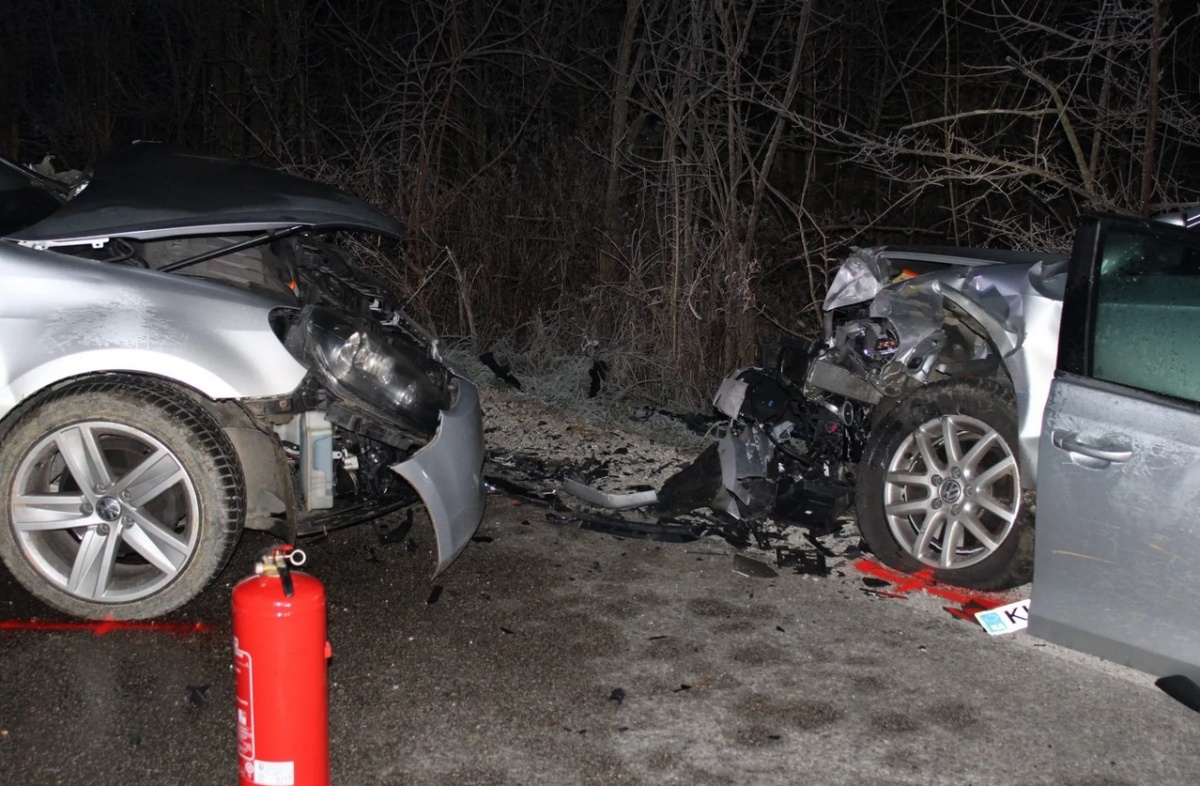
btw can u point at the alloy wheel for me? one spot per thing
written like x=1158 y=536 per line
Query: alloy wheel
x=104 y=511
x=952 y=492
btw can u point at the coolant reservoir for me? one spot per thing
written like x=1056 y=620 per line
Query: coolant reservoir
x=316 y=460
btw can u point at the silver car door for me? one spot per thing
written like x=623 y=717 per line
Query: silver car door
x=1117 y=549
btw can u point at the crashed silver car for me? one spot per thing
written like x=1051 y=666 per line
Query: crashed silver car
x=921 y=405
x=184 y=354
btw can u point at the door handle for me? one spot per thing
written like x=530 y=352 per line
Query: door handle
x=1070 y=442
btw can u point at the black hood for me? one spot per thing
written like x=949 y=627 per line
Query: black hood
x=153 y=191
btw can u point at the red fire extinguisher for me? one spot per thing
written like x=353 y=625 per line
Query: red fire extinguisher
x=280 y=656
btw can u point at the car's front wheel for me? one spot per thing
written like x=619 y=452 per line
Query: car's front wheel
x=122 y=499
x=939 y=487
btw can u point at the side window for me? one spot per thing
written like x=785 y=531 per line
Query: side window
x=1147 y=325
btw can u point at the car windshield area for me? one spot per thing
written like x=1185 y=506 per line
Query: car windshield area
x=22 y=202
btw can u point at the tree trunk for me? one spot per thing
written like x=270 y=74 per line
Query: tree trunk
x=620 y=126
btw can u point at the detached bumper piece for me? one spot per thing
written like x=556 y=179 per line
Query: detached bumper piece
x=448 y=475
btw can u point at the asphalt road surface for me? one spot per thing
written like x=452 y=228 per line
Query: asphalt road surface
x=559 y=656
x=552 y=655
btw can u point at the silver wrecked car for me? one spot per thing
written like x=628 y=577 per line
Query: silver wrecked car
x=922 y=404
x=956 y=364
x=184 y=354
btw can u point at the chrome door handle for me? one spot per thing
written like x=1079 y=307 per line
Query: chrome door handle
x=1070 y=442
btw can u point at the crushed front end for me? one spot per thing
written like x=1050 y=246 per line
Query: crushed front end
x=894 y=321
x=380 y=415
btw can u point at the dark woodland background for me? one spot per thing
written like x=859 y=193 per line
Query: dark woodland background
x=667 y=184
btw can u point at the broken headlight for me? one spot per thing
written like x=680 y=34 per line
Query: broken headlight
x=398 y=382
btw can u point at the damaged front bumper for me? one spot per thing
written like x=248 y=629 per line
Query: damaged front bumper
x=448 y=475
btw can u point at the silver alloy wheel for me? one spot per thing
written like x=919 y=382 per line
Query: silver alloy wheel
x=104 y=512
x=952 y=492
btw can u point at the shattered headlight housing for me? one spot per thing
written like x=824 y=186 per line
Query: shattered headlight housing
x=860 y=278
x=356 y=362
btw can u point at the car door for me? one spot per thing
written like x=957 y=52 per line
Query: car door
x=1117 y=547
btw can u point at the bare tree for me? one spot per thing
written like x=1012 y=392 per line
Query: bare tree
x=1068 y=119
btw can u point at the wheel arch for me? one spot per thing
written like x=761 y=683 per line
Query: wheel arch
x=144 y=411
x=988 y=401
x=270 y=490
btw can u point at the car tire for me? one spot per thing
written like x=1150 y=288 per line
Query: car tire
x=121 y=498
x=914 y=495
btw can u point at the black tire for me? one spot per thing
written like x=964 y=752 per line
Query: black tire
x=912 y=495
x=130 y=472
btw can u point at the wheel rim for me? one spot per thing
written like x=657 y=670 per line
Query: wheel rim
x=104 y=512
x=952 y=492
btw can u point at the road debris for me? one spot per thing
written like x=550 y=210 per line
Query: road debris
x=197 y=695
x=752 y=568
x=617 y=696
x=388 y=534
x=602 y=499
x=500 y=369
x=665 y=531
x=1005 y=619
x=810 y=562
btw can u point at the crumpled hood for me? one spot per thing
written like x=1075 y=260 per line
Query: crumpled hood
x=152 y=191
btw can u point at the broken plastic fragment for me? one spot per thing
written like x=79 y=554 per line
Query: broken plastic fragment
x=611 y=501
x=396 y=534
x=858 y=280
x=501 y=370
x=752 y=568
x=802 y=561
x=664 y=531
x=694 y=486
x=518 y=491
x=197 y=694
x=617 y=696
x=731 y=394
x=746 y=456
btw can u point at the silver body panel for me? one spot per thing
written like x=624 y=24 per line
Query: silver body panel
x=62 y=317
x=323 y=387
x=1118 y=541
x=1017 y=305
x=1027 y=305
x=448 y=475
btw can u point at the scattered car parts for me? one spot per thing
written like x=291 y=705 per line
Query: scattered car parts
x=920 y=406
